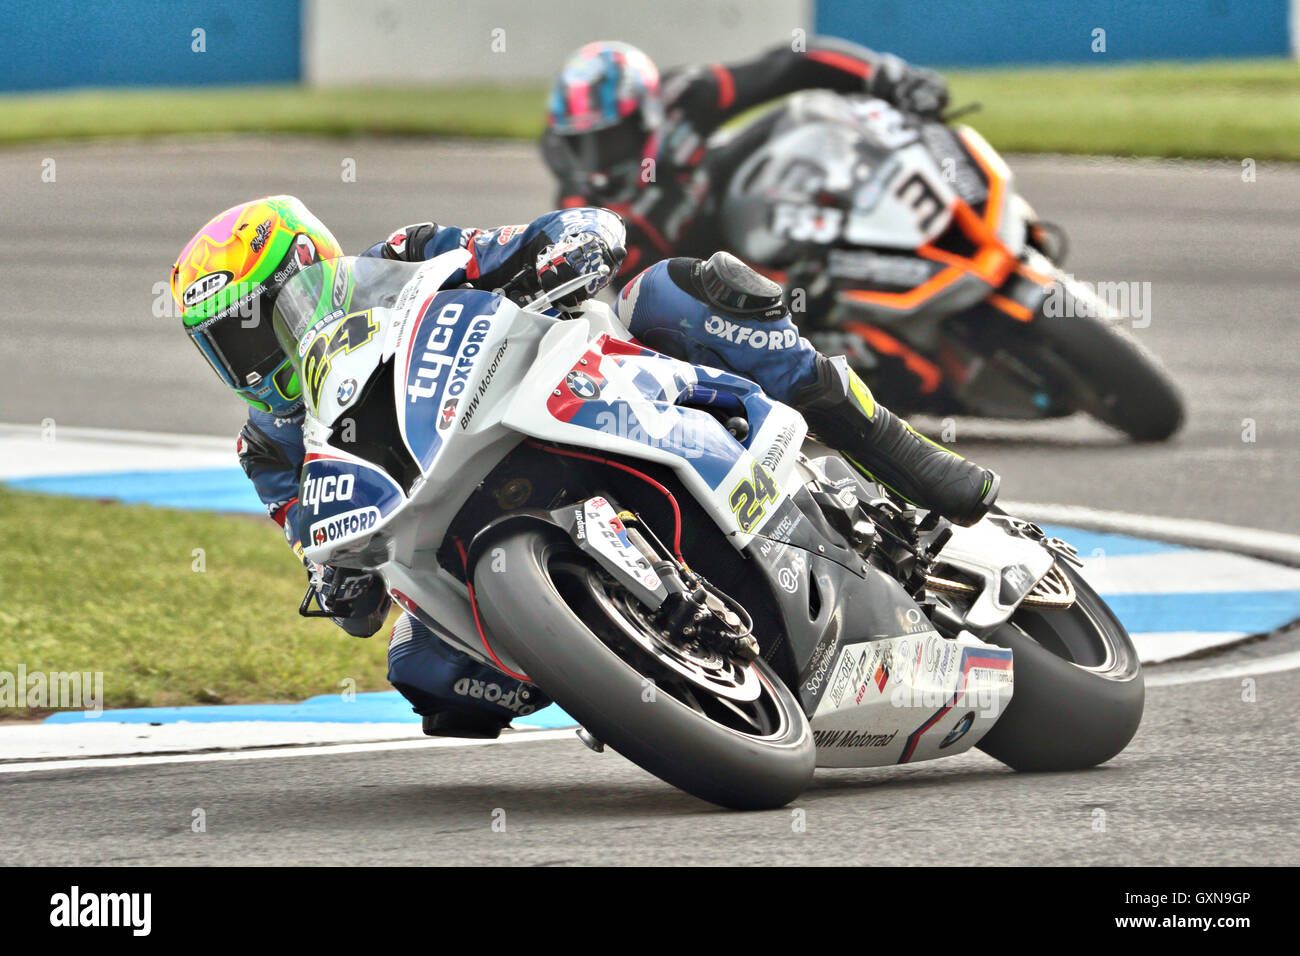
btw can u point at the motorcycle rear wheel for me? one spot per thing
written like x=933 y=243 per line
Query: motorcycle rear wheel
x=1079 y=692
x=564 y=620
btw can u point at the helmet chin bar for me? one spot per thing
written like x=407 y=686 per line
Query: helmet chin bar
x=271 y=393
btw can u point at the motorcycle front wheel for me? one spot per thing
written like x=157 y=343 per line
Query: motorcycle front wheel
x=1109 y=375
x=730 y=734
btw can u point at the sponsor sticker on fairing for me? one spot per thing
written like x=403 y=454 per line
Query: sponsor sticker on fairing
x=343 y=526
x=608 y=535
x=326 y=489
x=848 y=661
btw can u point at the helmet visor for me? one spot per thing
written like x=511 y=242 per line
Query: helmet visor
x=613 y=153
x=242 y=350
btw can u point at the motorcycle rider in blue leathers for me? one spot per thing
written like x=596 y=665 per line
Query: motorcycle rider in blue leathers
x=717 y=312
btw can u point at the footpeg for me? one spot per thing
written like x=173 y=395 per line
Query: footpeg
x=591 y=743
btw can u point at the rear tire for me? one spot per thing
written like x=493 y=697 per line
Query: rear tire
x=1078 y=693
x=538 y=613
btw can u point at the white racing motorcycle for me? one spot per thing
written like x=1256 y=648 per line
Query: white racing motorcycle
x=643 y=539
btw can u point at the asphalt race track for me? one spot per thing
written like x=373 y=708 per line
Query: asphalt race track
x=1209 y=779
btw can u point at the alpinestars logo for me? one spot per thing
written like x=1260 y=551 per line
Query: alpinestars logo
x=397 y=243
x=771 y=339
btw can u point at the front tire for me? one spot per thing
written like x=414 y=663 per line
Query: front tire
x=1079 y=692
x=1110 y=375
x=546 y=610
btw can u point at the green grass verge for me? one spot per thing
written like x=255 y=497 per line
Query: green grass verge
x=513 y=112
x=98 y=586
x=1221 y=109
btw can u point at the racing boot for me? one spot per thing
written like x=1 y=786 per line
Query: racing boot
x=454 y=695
x=840 y=411
x=463 y=723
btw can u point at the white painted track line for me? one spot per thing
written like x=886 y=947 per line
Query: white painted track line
x=326 y=750
x=1273 y=545
x=1253 y=668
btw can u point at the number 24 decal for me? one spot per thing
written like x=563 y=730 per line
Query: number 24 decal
x=352 y=332
x=749 y=498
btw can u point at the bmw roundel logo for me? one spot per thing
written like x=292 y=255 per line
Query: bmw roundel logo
x=959 y=730
x=582 y=385
x=347 y=391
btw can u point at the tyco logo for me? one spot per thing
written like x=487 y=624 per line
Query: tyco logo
x=321 y=491
x=427 y=378
x=748 y=335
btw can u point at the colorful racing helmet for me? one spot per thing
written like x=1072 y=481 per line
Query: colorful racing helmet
x=225 y=282
x=603 y=106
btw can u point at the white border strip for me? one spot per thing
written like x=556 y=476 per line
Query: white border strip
x=1271 y=545
x=117 y=436
x=1263 y=665
x=326 y=750
x=1253 y=668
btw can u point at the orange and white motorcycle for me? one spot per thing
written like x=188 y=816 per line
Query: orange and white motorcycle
x=903 y=244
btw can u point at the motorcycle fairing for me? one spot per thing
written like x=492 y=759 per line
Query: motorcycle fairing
x=825 y=604
x=436 y=359
x=994 y=230
x=614 y=396
x=893 y=196
x=910 y=698
x=342 y=501
x=1006 y=565
x=863 y=613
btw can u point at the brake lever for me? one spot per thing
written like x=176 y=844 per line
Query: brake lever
x=545 y=300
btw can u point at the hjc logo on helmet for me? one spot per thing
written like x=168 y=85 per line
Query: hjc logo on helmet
x=204 y=287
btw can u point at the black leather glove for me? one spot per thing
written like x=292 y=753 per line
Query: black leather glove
x=911 y=88
x=582 y=254
x=357 y=600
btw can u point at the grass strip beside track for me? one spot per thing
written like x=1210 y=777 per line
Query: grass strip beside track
x=112 y=588
x=1229 y=109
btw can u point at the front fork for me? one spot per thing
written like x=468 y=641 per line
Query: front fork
x=682 y=603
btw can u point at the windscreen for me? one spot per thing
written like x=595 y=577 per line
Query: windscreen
x=328 y=290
